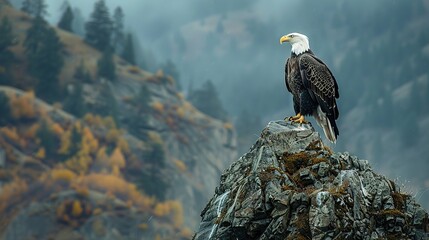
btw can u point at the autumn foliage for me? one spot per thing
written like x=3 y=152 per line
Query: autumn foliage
x=22 y=106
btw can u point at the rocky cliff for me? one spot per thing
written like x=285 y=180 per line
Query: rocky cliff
x=290 y=186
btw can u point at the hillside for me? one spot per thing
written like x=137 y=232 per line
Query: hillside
x=139 y=162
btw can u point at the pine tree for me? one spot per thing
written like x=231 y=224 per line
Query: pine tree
x=35 y=36
x=106 y=65
x=139 y=117
x=47 y=139
x=78 y=24
x=118 y=30
x=44 y=54
x=99 y=27
x=27 y=6
x=35 y=8
x=74 y=102
x=207 y=100
x=170 y=69
x=40 y=8
x=66 y=21
x=5 y=112
x=82 y=74
x=128 y=54
x=7 y=40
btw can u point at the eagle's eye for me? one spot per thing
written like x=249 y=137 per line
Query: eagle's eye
x=291 y=36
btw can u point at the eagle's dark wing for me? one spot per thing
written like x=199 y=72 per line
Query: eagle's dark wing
x=286 y=75
x=321 y=84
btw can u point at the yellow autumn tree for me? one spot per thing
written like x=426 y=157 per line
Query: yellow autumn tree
x=32 y=131
x=76 y=208
x=109 y=122
x=123 y=145
x=65 y=142
x=41 y=153
x=89 y=142
x=117 y=159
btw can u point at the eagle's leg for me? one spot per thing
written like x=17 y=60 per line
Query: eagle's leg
x=300 y=120
x=295 y=117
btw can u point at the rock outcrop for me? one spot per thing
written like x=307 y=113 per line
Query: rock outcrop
x=290 y=186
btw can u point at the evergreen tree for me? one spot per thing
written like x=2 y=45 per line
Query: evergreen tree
x=74 y=102
x=157 y=182
x=47 y=139
x=106 y=65
x=78 y=24
x=99 y=27
x=82 y=74
x=118 y=30
x=7 y=39
x=35 y=36
x=35 y=8
x=140 y=117
x=66 y=21
x=40 y=8
x=170 y=69
x=44 y=53
x=5 y=112
x=27 y=6
x=128 y=54
x=207 y=101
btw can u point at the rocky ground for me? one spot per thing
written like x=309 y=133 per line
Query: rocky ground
x=290 y=186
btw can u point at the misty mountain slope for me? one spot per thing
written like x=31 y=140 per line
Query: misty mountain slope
x=140 y=149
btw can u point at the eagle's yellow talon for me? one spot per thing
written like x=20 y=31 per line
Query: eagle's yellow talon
x=295 y=117
x=300 y=120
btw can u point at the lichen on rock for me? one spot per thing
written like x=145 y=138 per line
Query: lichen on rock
x=290 y=186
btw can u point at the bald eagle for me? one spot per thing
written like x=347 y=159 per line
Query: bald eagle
x=312 y=85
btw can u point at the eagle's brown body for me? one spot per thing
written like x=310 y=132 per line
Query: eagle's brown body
x=313 y=87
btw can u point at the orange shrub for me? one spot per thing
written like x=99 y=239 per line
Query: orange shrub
x=180 y=111
x=11 y=134
x=134 y=69
x=89 y=141
x=173 y=207
x=76 y=208
x=118 y=187
x=123 y=145
x=155 y=137
x=23 y=106
x=113 y=135
x=109 y=122
x=180 y=96
x=180 y=165
x=11 y=192
x=62 y=174
x=65 y=142
x=158 y=106
x=32 y=131
x=228 y=125
x=57 y=129
x=159 y=73
x=41 y=153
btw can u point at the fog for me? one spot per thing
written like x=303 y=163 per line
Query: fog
x=374 y=48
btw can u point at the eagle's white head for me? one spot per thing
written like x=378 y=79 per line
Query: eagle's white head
x=298 y=41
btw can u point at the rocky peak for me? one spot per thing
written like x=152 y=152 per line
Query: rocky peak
x=290 y=186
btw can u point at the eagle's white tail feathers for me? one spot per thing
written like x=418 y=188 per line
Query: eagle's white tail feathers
x=324 y=123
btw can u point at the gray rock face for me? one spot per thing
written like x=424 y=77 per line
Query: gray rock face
x=202 y=143
x=289 y=186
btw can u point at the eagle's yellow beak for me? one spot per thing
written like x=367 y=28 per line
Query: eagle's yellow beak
x=285 y=38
